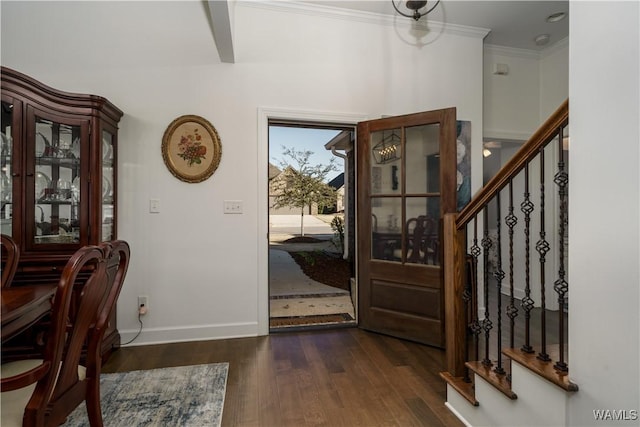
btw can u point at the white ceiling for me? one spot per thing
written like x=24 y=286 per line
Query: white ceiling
x=513 y=23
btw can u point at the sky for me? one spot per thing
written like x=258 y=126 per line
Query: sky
x=303 y=139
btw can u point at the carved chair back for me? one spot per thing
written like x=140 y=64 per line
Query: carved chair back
x=10 y=259
x=62 y=382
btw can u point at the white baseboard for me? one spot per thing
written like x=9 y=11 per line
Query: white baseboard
x=185 y=334
x=457 y=414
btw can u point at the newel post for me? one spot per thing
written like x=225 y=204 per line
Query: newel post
x=455 y=313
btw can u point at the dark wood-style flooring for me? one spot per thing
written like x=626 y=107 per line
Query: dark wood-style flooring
x=336 y=377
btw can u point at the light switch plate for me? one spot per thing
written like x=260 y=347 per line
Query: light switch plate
x=154 y=206
x=232 y=206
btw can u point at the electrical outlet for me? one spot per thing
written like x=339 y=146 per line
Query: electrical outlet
x=143 y=304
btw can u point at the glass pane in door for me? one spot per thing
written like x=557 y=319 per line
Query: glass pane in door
x=386 y=230
x=57 y=182
x=6 y=169
x=423 y=159
x=386 y=155
x=422 y=230
x=422 y=204
x=107 y=186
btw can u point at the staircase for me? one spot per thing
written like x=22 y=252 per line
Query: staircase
x=506 y=290
x=536 y=402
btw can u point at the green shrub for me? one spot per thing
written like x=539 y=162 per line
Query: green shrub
x=337 y=225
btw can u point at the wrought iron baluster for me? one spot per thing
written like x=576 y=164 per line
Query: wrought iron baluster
x=527 y=303
x=466 y=299
x=476 y=327
x=499 y=276
x=512 y=311
x=487 y=325
x=561 y=285
x=542 y=246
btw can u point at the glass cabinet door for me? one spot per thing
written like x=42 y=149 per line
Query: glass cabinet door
x=6 y=169
x=57 y=194
x=108 y=180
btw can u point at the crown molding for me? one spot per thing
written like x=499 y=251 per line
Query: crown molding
x=491 y=49
x=505 y=135
x=526 y=53
x=556 y=47
x=292 y=6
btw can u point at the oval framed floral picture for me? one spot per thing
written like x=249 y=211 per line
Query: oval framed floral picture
x=191 y=148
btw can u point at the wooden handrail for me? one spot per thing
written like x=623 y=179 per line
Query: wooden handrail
x=524 y=155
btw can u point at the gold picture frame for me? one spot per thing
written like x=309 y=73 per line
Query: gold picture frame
x=191 y=148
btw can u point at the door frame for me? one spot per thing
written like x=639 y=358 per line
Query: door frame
x=264 y=115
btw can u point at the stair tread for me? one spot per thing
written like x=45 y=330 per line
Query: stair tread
x=540 y=367
x=463 y=387
x=499 y=381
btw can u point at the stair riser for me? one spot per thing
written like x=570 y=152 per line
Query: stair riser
x=539 y=403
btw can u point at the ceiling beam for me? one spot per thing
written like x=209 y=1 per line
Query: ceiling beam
x=220 y=22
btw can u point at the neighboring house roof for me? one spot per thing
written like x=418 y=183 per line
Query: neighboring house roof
x=273 y=171
x=337 y=182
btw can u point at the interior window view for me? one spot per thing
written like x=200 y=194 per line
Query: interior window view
x=319 y=213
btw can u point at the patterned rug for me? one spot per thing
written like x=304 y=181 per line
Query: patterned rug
x=180 y=396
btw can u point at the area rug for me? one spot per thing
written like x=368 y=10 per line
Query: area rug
x=180 y=396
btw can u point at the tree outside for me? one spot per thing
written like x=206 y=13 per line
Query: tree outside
x=303 y=185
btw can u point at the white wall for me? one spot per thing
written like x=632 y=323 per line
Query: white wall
x=203 y=270
x=536 y=84
x=511 y=101
x=516 y=105
x=554 y=77
x=604 y=256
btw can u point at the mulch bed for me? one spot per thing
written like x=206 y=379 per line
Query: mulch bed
x=303 y=239
x=325 y=268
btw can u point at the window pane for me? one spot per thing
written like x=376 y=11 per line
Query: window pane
x=423 y=159
x=422 y=230
x=386 y=232
x=386 y=153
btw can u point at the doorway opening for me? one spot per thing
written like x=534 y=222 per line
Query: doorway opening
x=311 y=225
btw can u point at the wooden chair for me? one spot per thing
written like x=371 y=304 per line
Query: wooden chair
x=117 y=254
x=44 y=392
x=415 y=246
x=431 y=242
x=10 y=258
x=410 y=252
x=419 y=243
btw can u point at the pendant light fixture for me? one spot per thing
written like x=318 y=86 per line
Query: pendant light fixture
x=388 y=149
x=413 y=9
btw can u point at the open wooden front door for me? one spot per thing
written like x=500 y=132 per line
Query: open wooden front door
x=406 y=183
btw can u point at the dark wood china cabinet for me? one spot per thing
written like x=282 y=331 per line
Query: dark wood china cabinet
x=58 y=178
